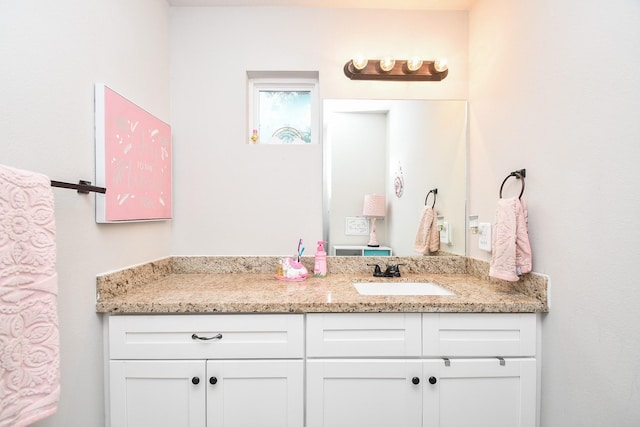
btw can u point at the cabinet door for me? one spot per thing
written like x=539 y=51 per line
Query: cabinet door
x=157 y=393
x=480 y=393
x=265 y=393
x=357 y=392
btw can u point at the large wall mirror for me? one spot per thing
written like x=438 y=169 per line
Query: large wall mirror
x=370 y=146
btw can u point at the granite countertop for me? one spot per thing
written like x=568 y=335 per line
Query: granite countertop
x=207 y=285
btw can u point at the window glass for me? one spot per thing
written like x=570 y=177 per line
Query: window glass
x=283 y=109
x=284 y=117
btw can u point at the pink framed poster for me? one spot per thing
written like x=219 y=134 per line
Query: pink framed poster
x=133 y=161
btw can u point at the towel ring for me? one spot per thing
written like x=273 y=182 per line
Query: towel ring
x=434 y=191
x=519 y=174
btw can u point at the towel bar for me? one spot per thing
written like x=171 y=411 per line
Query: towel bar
x=434 y=192
x=519 y=174
x=83 y=187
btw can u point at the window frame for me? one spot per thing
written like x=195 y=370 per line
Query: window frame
x=258 y=82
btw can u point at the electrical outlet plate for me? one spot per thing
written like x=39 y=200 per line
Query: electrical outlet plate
x=484 y=236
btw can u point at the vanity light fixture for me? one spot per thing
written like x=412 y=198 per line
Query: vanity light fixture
x=414 y=69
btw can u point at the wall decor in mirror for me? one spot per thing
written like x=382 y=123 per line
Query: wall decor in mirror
x=365 y=141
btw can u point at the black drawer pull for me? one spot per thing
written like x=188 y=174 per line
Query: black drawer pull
x=215 y=337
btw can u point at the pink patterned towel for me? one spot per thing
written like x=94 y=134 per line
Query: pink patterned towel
x=428 y=236
x=511 y=256
x=29 y=342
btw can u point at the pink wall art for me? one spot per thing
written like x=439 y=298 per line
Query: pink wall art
x=133 y=161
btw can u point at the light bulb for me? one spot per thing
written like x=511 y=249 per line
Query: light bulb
x=387 y=64
x=359 y=62
x=440 y=65
x=414 y=63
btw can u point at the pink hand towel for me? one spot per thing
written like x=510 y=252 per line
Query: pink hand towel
x=428 y=236
x=511 y=256
x=29 y=341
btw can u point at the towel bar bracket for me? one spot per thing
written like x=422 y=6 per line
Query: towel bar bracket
x=83 y=183
x=521 y=172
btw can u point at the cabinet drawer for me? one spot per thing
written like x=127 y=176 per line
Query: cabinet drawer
x=235 y=336
x=376 y=252
x=348 y=252
x=478 y=334
x=363 y=335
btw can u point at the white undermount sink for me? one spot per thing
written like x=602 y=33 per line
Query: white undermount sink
x=400 y=288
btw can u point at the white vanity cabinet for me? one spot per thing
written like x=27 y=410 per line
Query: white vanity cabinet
x=206 y=370
x=468 y=370
x=323 y=370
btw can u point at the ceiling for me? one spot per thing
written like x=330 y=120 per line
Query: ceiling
x=337 y=4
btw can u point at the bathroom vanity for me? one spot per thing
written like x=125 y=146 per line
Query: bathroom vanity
x=193 y=348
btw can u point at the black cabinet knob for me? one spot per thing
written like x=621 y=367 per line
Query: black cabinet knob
x=213 y=380
x=195 y=380
x=432 y=380
x=415 y=380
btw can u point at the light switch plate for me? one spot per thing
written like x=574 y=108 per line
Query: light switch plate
x=484 y=236
x=445 y=233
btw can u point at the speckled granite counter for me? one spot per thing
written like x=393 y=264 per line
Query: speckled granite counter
x=247 y=285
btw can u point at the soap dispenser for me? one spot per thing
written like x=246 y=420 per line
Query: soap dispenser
x=320 y=264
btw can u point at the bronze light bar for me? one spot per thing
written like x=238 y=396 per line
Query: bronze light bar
x=372 y=70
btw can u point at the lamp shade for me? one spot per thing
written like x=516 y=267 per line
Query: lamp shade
x=374 y=206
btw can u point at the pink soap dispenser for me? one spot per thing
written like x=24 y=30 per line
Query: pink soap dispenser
x=320 y=264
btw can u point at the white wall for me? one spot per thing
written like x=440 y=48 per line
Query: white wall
x=554 y=88
x=238 y=199
x=52 y=54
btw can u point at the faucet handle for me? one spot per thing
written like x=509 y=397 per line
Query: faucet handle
x=393 y=270
x=377 y=272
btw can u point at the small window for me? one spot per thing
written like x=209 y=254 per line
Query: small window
x=283 y=108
